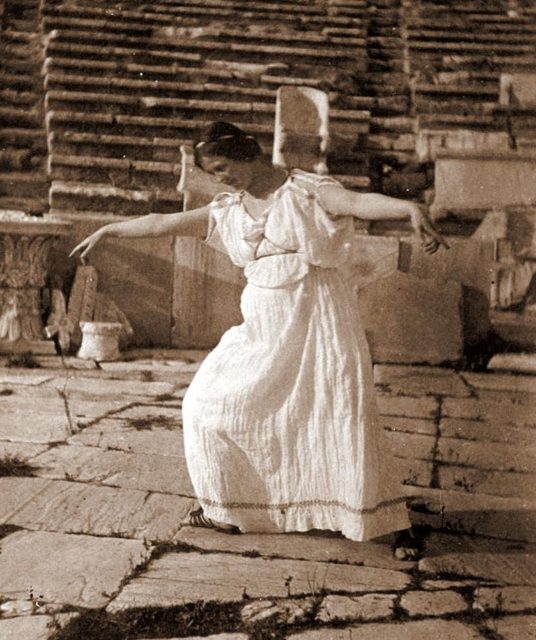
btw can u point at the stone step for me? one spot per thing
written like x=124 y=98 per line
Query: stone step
x=493 y=49
x=134 y=32
x=32 y=205
x=121 y=172
x=476 y=34
x=355 y=121
x=145 y=16
x=17 y=117
x=468 y=91
x=32 y=139
x=502 y=63
x=79 y=196
x=102 y=45
x=16 y=81
x=462 y=121
x=439 y=24
x=24 y=184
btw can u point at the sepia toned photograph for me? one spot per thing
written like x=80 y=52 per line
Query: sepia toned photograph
x=267 y=319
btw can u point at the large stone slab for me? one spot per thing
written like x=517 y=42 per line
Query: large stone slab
x=27 y=628
x=321 y=547
x=429 y=328
x=106 y=387
x=26 y=379
x=33 y=426
x=501 y=382
x=21 y=450
x=420 y=381
x=188 y=577
x=104 y=511
x=372 y=606
x=477 y=181
x=407 y=407
x=514 y=627
x=478 y=481
x=432 y=603
x=401 y=424
x=486 y=431
x=430 y=142
x=480 y=558
x=421 y=630
x=518 y=89
x=486 y=455
x=16 y=493
x=148 y=472
x=507 y=408
x=500 y=517
x=77 y=570
x=514 y=362
x=504 y=599
x=118 y=435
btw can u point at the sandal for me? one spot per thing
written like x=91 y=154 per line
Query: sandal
x=198 y=519
x=407 y=546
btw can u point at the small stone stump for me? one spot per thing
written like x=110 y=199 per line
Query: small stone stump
x=25 y=243
x=100 y=341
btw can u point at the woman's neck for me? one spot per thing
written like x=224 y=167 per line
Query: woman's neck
x=266 y=179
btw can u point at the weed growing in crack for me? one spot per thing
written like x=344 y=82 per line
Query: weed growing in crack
x=22 y=360
x=16 y=467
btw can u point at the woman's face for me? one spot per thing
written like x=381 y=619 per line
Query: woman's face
x=235 y=173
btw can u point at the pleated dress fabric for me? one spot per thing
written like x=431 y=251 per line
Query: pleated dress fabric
x=280 y=424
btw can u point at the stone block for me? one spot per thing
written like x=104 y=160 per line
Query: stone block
x=373 y=257
x=407 y=407
x=488 y=431
x=142 y=471
x=432 y=603
x=518 y=89
x=63 y=568
x=409 y=425
x=504 y=599
x=511 y=518
x=473 y=557
x=486 y=455
x=27 y=628
x=514 y=627
x=501 y=382
x=188 y=577
x=373 y=606
x=282 y=612
x=478 y=481
x=35 y=427
x=415 y=630
x=315 y=546
x=410 y=472
x=465 y=182
x=505 y=408
x=519 y=363
x=420 y=381
x=428 y=330
x=430 y=142
x=410 y=445
x=100 y=511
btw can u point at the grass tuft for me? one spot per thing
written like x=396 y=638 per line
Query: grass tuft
x=15 y=466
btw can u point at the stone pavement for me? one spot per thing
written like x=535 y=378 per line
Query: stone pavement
x=94 y=491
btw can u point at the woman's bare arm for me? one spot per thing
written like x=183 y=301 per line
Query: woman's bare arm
x=190 y=223
x=376 y=206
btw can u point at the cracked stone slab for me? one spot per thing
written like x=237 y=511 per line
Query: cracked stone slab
x=432 y=603
x=405 y=406
x=218 y=636
x=501 y=382
x=372 y=606
x=488 y=559
x=421 y=630
x=409 y=425
x=170 y=413
x=82 y=571
x=118 y=435
x=27 y=628
x=514 y=627
x=180 y=578
x=29 y=379
x=105 y=387
x=16 y=493
x=478 y=514
x=486 y=455
x=22 y=450
x=420 y=381
x=476 y=430
x=146 y=472
x=32 y=426
x=317 y=548
x=504 y=599
x=493 y=407
x=62 y=506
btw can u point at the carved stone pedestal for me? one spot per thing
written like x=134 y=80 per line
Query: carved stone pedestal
x=25 y=243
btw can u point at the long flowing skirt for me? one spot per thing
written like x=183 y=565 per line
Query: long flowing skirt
x=280 y=424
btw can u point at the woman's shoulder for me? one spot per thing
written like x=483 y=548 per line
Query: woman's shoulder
x=311 y=182
x=224 y=200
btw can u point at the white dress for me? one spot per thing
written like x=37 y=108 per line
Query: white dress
x=280 y=423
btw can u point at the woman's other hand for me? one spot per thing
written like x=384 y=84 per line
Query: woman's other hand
x=89 y=243
x=430 y=237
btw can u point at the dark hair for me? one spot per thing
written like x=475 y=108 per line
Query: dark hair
x=224 y=139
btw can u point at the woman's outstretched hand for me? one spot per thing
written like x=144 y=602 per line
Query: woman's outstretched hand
x=430 y=237
x=88 y=243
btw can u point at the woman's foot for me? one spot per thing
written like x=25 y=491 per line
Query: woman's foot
x=198 y=519
x=407 y=545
